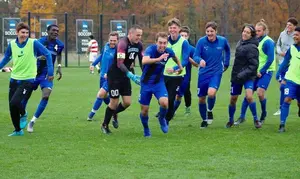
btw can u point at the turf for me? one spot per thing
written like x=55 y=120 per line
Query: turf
x=65 y=145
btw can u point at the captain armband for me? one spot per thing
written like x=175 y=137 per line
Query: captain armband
x=120 y=55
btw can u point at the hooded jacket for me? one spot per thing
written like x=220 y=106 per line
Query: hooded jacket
x=246 y=61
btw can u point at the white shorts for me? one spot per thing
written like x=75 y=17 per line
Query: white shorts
x=92 y=56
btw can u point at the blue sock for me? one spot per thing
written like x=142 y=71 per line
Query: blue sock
x=263 y=104
x=144 y=120
x=176 y=104
x=96 y=106
x=211 y=103
x=284 y=112
x=162 y=113
x=252 y=107
x=106 y=100
x=41 y=108
x=281 y=94
x=231 y=110
x=244 y=108
x=203 y=111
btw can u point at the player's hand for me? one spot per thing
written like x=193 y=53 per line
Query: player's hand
x=59 y=73
x=202 y=63
x=92 y=68
x=282 y=54
x=163 y=56
x=259 y=75
x=50 y=78
x=170 y=70
x=179 y=70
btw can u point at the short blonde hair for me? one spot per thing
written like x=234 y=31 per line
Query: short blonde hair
x=174 y=21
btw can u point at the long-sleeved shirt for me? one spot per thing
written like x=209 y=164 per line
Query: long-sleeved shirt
x=268 y=48
x=284 y=42
x=283 y=68
x=185 y=51
x=212 y=54
x=106 y=58
x=38 y=49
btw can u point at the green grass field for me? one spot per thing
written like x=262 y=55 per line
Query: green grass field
x=65 y=145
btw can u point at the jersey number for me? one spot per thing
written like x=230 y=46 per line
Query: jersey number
x=131 y=56
x=114 y=93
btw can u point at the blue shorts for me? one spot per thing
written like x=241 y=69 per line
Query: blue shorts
x=184 y=85
x=103 y=84
x=292 y=90
x=208 y=82
x=147 y=90
x=263 y=81
x=43 y=82
x=236 y=89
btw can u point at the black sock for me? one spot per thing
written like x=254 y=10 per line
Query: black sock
x=120 y=108
x=108 y=114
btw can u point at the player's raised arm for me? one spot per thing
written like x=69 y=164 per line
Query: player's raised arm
x=7 y=57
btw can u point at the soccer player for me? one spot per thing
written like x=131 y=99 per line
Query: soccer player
x=244 y=72
x=152 y=80
x=292 y=78
x=119 y=76
x=181 y=48
x=184 y=89
x=106 y=59
x=55 y=47
x=23 y=52
x=266 y=67
x=284 y=42
x=209 y=53
x=92 y=51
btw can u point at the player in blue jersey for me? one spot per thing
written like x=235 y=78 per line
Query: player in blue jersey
x=152 y=80
x=23 y=52
x=290 y=65
x=209 y=54
x=106 y=59
x=267 y=65
x=55 y=47
x=184 y=89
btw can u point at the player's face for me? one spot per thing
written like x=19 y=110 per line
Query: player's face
x=174 y=31
x=135 y=35
x=290 y=27
x=53 y=32
x=22 y=35
x=297 y=37
x=259 y=31
x=211 y=34
x=113 y=40
x=161 y=44
x=246 y=34
x=184 y=35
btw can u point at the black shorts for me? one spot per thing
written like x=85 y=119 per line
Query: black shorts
x=119 y=87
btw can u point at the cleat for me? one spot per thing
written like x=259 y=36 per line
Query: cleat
x=15 y=133
x=263 y=117
x=89 y=119
x=115 y=122
x=147 y=132
x=163 y=125
x=203 y=125
x=229 y=124
x=30 y=126
x=23 y=120
x=281 y=128
x=257 y=124
x=210 y=117
x=239 y=121
x=277 y=113
x=187 y=111
x=105 y=129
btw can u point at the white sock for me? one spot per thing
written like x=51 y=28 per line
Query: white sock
x=34 y=119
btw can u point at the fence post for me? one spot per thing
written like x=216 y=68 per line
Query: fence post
x=101 y=31
x=29 y=17
x=133 y=19
x=66 y=39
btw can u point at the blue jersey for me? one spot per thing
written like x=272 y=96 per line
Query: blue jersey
x=105 y=59
x=55 y=47
x=212 y=54
x=153 y=73
x=268 y=48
